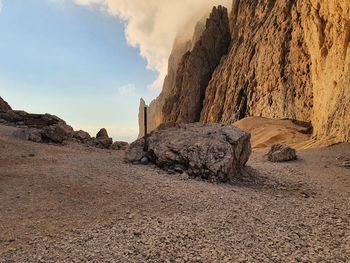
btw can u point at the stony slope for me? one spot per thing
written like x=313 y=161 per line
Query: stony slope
x=80 y=204
x=287 y=59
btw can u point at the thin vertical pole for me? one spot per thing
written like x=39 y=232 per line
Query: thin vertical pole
x=145 y=147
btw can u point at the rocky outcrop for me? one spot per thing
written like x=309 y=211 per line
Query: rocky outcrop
x=47 y=128
x=102 y=139
x=4 y=106
x=30 y=120
x=213 y=152
x=81 y=136
x=288 y=59
x=184 y=104
x=57 y=133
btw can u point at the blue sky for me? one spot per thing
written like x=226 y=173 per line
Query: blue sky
x=72 y=61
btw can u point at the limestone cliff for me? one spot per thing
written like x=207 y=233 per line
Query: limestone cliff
x=4 y=106
x=286 y=59
x=180 y=47
x=184 y=105
x=155 y=115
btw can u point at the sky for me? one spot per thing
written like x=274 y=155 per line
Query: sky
x=90 y=61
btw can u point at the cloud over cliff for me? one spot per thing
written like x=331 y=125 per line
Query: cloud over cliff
x=152 y=25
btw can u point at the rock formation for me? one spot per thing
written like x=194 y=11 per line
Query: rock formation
x=287 y=59
x=81 y=136
x=4 y=106
x=184 y=104
x=57 y=133
x=215 y=152
x=47 y=128
x=102 y=139
x=30 y=120
x=155 y=112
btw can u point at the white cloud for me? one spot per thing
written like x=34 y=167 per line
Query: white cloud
x=127 y=90
x=152 y=25
x=1 y=5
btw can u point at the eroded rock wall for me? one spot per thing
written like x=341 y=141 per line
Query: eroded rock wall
x=181 y=45
x=184 y=105
x=155 y=115
x=327 y=35
x=288 y=59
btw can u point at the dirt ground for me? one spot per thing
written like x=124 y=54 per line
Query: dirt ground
x=78 y=204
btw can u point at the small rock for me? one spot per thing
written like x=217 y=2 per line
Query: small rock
x=281 y=153
x=144 y=161
x=119 y=146
x=184 y=176
x=346 y=164
x=179 y=168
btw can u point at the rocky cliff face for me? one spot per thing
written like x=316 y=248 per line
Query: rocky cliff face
x=4 y=106
x=286 y=59
x=155 y=114
x=184 y=105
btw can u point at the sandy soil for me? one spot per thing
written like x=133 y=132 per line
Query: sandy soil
x=77 y=204
x=266 y=132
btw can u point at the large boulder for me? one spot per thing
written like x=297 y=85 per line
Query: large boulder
x=281 y=153
x=57 y=133
x=214 y=152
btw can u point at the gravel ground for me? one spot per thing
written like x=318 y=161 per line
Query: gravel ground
x=77 y=204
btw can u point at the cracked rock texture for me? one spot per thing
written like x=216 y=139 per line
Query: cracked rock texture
x=216 y=152
x=196 y=68
x=286 y=59
x=170 y=90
